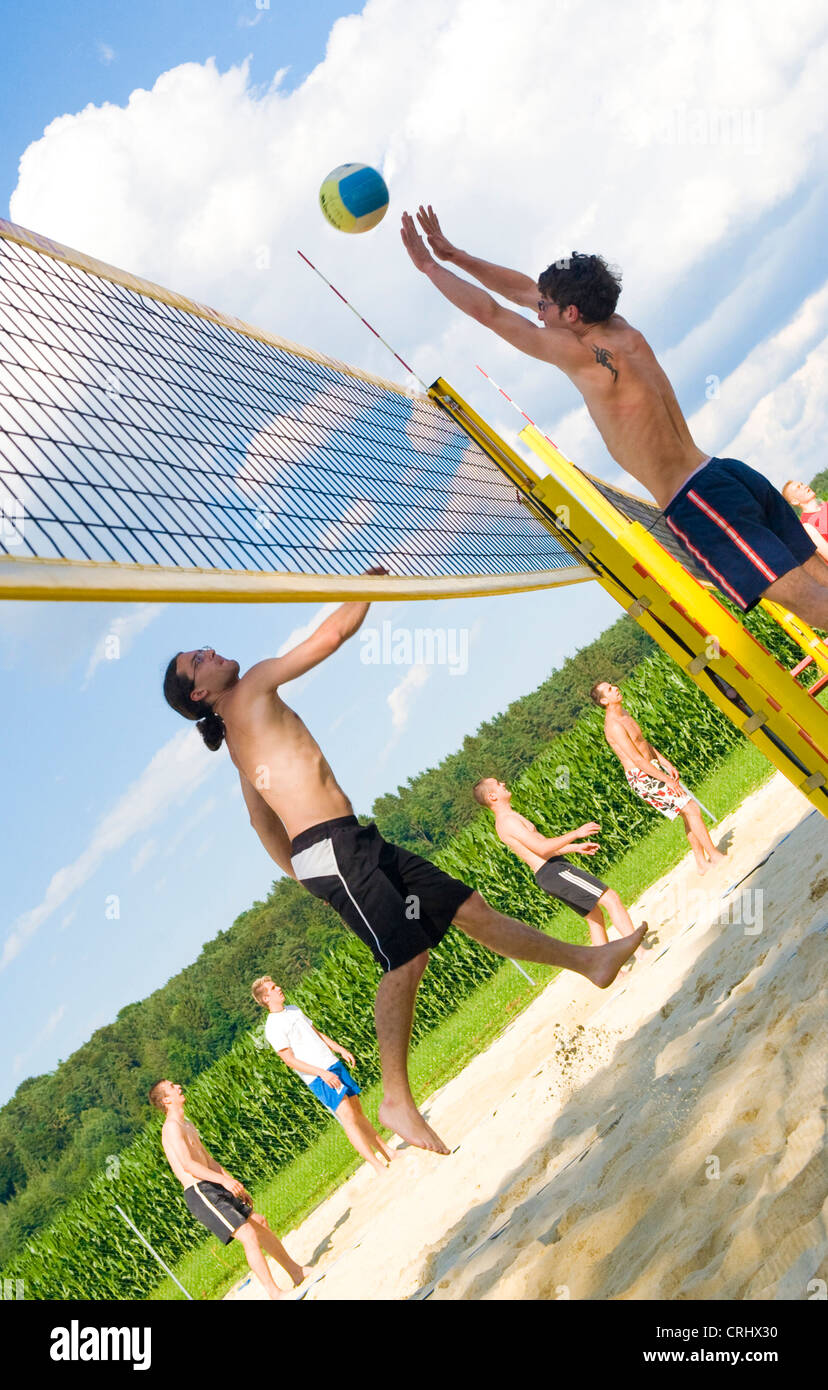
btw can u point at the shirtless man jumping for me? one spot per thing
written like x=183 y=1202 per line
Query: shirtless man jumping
x=733 y=522
x=651 y=776
x=215 y=1198
x=399 y=905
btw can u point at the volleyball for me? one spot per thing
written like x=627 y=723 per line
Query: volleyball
x=354 y=198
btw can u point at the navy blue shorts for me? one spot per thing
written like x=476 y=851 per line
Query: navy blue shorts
x=739 y=528
x=397 y=903
x=329 y=1097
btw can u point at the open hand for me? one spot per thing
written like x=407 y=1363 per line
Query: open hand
x=584 y=847
x=440 y=244
x=414 y=244
x=591 y=828
x=347 y=1057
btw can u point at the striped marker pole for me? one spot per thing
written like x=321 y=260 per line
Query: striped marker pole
x=515 y=405
x=369 y=326
x=154 y=1253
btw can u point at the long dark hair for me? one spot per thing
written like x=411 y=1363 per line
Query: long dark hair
x=177 y=692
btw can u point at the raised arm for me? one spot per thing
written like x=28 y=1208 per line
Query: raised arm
x=555 y=345
x=268 y=826
x=509 y=284
x=322 y=643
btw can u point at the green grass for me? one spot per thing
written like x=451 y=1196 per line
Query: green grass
x=210 y=1270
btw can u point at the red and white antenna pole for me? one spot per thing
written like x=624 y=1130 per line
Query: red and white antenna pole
x=341 y=296
x=514 y=404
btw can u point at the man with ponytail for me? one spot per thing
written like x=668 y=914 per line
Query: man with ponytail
x=398 y=904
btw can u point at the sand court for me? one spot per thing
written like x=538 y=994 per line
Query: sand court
x=662 y=1139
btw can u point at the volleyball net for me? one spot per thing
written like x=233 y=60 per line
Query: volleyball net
x=152 y=445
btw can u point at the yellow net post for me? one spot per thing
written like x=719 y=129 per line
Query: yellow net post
x=733 y=669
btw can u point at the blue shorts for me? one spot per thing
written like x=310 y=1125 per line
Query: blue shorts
x=739 y=528
x=328 y=1096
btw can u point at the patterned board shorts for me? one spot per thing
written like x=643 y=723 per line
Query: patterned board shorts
x=656 y=793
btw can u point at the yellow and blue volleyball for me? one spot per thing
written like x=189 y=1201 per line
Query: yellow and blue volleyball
x=354 y=198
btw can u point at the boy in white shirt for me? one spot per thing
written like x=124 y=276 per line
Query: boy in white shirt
x=311 y=1054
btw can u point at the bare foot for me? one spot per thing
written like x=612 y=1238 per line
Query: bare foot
x=403 y=1118
x=275 y=1293
x=701 y=868
x=304 y=1271
x=605 y=962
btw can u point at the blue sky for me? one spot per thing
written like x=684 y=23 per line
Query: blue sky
x=702 y=180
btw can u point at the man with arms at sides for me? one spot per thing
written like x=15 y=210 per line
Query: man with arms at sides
x=813 y=513
x=215 y=1198
x=581 y=891
x=651 y=776
x=399 y=905
x=727 y=516
x=311 y=1055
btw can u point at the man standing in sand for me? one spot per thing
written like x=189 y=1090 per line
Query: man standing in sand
x=311 y=1055
x=215 y=1198
x=651 y=776
x=725 y=514
x=399 y=905
x=571 y=884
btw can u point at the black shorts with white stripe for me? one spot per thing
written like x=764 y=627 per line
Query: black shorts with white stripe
x=574 y=886
x=217 y=1209
x=397 y=903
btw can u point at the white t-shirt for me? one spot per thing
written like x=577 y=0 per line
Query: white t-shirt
x=289 y=1027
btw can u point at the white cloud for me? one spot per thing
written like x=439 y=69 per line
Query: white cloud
x=301 y=634
x=402 y=696
x=170 y=778
x=203 y=170
x=148 y=849
x=208 y=184
x=784 y=434
x=106 y=53
x=772 y=361
x=120 y=635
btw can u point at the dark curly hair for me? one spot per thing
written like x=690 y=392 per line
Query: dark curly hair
x=177 y=692
x=585 y=281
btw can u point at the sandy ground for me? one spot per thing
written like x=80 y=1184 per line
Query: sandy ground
x=664 y=1138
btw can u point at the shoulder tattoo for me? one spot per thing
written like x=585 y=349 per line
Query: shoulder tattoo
x=603 y=357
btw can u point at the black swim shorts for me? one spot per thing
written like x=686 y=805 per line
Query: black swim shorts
x=397 y=903
x=217 y=1209
x=573 y=885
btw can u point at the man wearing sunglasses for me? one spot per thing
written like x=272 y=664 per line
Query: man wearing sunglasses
x=398 y=904
x=730 y=518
